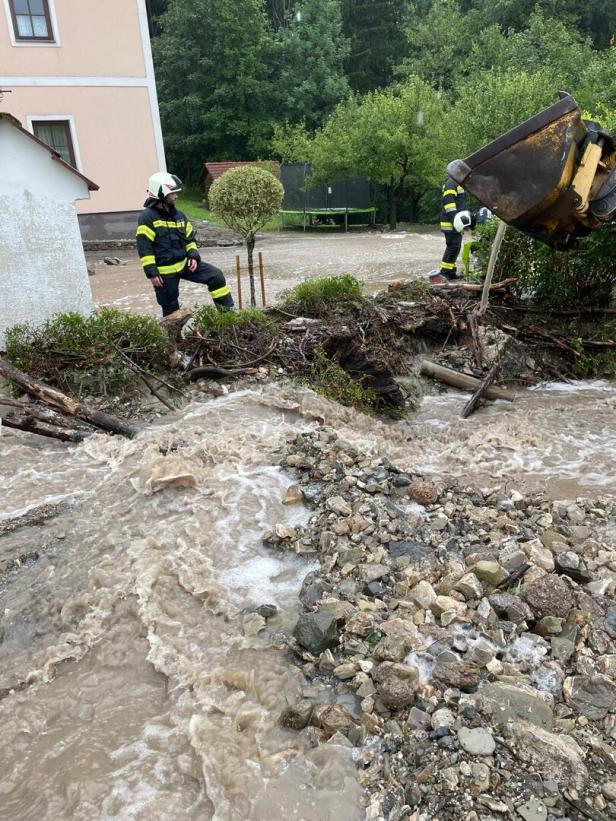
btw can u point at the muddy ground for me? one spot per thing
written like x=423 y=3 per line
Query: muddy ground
x=373 y=257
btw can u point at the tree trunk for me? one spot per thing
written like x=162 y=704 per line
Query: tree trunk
x=63 y=403
x=392 y=200
x=462 y=380
x=250 y=247
x=27 y=422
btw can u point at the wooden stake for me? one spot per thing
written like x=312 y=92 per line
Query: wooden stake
x=262 y=277
x=239 y=282
x=500 y=233
x=473 y=403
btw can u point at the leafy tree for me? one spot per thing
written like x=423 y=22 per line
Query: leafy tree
x=245 y=199
x=212 y=70
x=394 y=136
x=311 y=49
x=375 y=29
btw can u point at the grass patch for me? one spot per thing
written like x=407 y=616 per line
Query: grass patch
x=332 y=381
x=316 y=297
x=208 y=318
x=81 y=355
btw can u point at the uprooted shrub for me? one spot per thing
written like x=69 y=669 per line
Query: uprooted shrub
x=233 y=336
x=328 y=378
x=86 y=356
x=585 y=277
x=317 y=297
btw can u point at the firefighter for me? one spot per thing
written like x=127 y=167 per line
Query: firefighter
x=167 y=247
x=455 y=217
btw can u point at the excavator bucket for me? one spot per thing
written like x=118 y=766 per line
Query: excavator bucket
x=541 y=176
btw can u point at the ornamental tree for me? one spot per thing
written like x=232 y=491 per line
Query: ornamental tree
x=245 y=199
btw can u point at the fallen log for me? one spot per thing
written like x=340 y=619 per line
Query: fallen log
x=473 y=287
x=473 y=403
x=29 y=423
x=462 y=381
x=56 y=399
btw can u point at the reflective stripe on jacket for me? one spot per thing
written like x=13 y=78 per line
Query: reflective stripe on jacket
x=165 y=240
x=453 y=199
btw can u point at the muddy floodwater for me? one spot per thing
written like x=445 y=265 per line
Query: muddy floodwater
x=132 y=684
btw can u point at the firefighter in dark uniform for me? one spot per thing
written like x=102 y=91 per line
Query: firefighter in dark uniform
x=167 y=247
x=455 y=217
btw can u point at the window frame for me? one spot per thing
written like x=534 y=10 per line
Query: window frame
x=50 y=19
x=68 y=122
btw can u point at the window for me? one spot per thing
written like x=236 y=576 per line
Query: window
x=31 y=20
x=57 y=135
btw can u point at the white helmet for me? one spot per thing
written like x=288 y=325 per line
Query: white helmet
x=162 y=183
x=461 y=221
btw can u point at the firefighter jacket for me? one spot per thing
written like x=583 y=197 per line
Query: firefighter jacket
x=453 y=199
x=165 y=240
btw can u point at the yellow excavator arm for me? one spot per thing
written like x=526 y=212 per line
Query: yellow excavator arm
x=553 y=176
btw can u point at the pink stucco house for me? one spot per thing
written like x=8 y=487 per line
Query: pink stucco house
x=81 y=78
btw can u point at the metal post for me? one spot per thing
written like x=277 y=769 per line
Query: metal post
x=346 y=221
x=262 y=277
x=239 y=282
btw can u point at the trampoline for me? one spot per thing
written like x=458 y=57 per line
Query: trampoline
x=332 y=215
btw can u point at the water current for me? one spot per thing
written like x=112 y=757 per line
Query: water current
x=131 y=684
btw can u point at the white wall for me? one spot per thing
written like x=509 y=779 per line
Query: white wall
x=42 y=264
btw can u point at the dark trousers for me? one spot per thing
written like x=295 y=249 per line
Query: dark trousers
x=453 y=243
x=206 y=274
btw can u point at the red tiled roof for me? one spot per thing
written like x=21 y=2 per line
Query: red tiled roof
x=217 y=169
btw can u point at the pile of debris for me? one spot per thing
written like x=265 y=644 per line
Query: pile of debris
x=469 y=638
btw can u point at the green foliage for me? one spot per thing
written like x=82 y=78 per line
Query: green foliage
x=207 y=318
x=585 y=277
x=394 y=136
x=81 y=355
x=309 y=55
x=213 y=80
x=332 y=381
x=246 y=198
x=376 y=33
x=317 y=297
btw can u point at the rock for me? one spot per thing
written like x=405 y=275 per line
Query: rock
x=568 y=564
x=445 y=604
x=333 y=718
x=606 y=753
x=316 y=631
x=493 y=804
x=480 y=775
x=424 y=493
x=294 y=495
x=416 y=551
x=609 y=790
x=268 y=611
x=297 y=716
x=533 y=810
x=397 y=685
x=549 y=626
x=592 y=696
x=460 y=674
x=345 y=671
x=516 y=701
x=423 y=595
x=550 y=537
x=489 y=572
x=312 y=590
x=338 y=505
x=470 y=586
x=442 y=718
x=549 y=596
x=450 y=778
x=360 y=623
x=252 y=624
x=418 y=720
x=556 y=757
x=562 y=649
x=538 y=554
x=476 y=741
x=393 y=648
x=372 y=572
x=510 y=606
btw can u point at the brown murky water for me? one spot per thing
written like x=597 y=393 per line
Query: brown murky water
x=131 y=686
